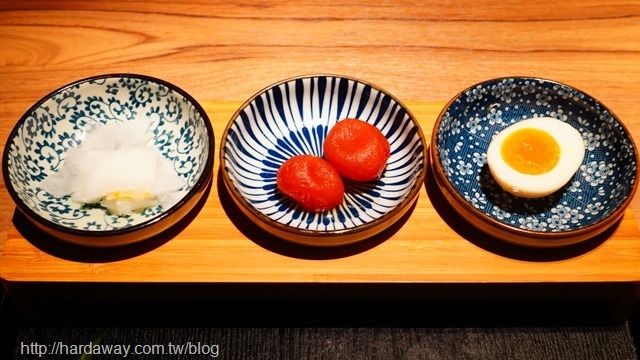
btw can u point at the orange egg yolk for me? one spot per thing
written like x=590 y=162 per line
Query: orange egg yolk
x=530 y=151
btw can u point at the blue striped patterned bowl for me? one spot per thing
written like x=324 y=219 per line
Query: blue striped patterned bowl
x=293 y=117
x=592 y=201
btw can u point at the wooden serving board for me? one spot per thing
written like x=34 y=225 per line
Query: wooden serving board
x=432 y=244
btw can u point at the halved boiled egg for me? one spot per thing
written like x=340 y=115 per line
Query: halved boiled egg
x=535 y=157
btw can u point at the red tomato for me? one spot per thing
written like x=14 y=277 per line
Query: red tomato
x=357 y=150
x=311 y=181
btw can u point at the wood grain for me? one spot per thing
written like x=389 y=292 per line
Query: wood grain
x=219 y=245
x=222 y=52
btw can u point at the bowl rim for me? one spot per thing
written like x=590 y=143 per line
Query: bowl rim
x=594 y=228
x=200 y=183
x=315 y=234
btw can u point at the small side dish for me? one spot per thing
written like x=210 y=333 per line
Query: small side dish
x=294 y=117
x=580 y=154
x=133 y=144
x=535 y=157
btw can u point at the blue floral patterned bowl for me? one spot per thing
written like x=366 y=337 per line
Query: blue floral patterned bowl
x=38 y=143
x=293 y=117
x=593 y=200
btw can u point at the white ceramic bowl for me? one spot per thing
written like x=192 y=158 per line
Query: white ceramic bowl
x=38 y=143
x=592 y=201
x=293 y=117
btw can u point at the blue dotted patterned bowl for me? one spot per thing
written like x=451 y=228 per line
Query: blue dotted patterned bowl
x=593 y=200
x=38 y=143
x=293 y=117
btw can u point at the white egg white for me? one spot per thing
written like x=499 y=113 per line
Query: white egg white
x=533 y=186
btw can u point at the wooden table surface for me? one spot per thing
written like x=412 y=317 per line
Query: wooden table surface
x=222 y=52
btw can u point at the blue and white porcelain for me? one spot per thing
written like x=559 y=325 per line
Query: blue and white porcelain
x=591 y=201
x=38 y=143
x=293 y=117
